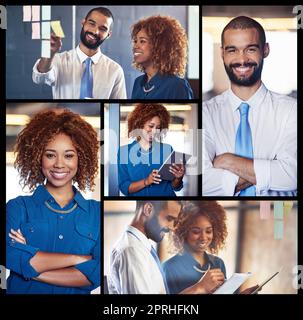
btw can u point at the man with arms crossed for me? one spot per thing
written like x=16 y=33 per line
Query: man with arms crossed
x=249 y=132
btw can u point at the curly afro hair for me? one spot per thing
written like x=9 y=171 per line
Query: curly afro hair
x=192 y=210
x=144 y=112
x=40 y=130
x=169 y=44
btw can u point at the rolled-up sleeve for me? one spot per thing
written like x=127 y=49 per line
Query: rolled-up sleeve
x=280 y=174
x=48 y=78
x=18 y=255
x=91 y=268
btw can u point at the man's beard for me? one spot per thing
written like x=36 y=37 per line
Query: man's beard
x=153 y=229
x=246 y=82
x=89 y=45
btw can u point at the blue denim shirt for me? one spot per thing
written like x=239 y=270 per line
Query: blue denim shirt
x=76 y=232
x=181 y=274
x=134 y=165
x=161 y=87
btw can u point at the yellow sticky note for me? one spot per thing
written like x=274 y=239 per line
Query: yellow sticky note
x=287 y=206
x=56 y=26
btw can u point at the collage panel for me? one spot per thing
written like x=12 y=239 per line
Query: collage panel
x=249 y=112
x=53 y=214
x=192 y=247
x=151 y=149
x=94 y=52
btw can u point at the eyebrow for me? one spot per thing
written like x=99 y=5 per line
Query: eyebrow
x=255 y=45
x=52 y=150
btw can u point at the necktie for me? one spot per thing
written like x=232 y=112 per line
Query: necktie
x=86 y=90
x=155 y=256
x=244 y=146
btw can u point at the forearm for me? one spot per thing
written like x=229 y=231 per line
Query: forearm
x=46 y=261
x=44 y=64
x=66 y=277
x=136 y=186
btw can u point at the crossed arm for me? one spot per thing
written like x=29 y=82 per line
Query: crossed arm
x=242 y=167
x=56 y=268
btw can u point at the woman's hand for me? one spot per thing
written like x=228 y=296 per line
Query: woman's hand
x=17 y=236
x=178 y=170
x=153 y=177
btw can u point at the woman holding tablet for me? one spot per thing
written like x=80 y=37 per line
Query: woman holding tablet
x=139 y=161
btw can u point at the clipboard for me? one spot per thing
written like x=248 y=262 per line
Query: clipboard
x=175 y=157
x=264 y=282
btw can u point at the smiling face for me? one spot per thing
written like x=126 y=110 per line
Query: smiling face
x=59 y=161
x=162 y=222
x=142 y=49
x=151 y=129
x=95 y=29
x=243 y=55
x=200 y=235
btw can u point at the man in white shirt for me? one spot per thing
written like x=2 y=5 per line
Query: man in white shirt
x=64 y=71
x=265 y=121
x=135 y=267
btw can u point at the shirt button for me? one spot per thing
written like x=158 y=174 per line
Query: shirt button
x=31 y=229
x=61 y=236
x=61 y=217
x=51 y=201
x=90 y=235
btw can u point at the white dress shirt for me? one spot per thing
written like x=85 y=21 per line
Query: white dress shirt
x=133 y=270
x=273 y=122
x=67 y=69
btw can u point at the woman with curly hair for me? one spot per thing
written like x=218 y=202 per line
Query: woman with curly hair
x=160 y=51
x=139 y=161
x=199 y=234
x=53 y=236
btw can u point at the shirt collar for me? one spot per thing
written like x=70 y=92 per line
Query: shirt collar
x=41 y=195
x=253 y=101
x=82 y=56
x=155 y=80
x=209 y=259
x=140 y=236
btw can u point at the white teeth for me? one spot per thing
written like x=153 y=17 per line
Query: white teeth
x=91 y=37
x=59 y=175
x=137 y=53
x=242 y=69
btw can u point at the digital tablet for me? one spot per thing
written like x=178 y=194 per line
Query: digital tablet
x=174 y=157
x=264 y=282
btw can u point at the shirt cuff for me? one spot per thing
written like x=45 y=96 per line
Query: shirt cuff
x=47 y=77
x=229 y=182
x=262 y=172
x=27 y=270
x=91 y=269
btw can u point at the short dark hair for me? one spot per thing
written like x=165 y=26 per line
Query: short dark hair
x=106 y=12
x=243 y=22
x=158 y=205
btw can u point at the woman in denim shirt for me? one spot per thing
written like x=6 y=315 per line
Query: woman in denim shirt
x=200 y=232
x=53 y=236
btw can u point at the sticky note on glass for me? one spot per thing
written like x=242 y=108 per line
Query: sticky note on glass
x=45 y=48
x=45 y=30
x=278 y=209
x=278 y=229
x=36 y=30
x=27 y=13
x=56 y=26
x=46 y=12
x=264 y=210
x=35 y=13
x=288 y=206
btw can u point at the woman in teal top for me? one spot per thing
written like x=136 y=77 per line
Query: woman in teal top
x=200 y=232
x=160 y=51
x=53 y=236
x=139 y=161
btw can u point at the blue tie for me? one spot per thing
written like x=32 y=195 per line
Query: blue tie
x=155 y=256
x=244 y=146
x=86 y=90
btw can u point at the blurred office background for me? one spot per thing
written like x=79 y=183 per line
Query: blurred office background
x=22 y=52
x=17 y=115
x=182 y=136
x=250 y=244
x=280 y=67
